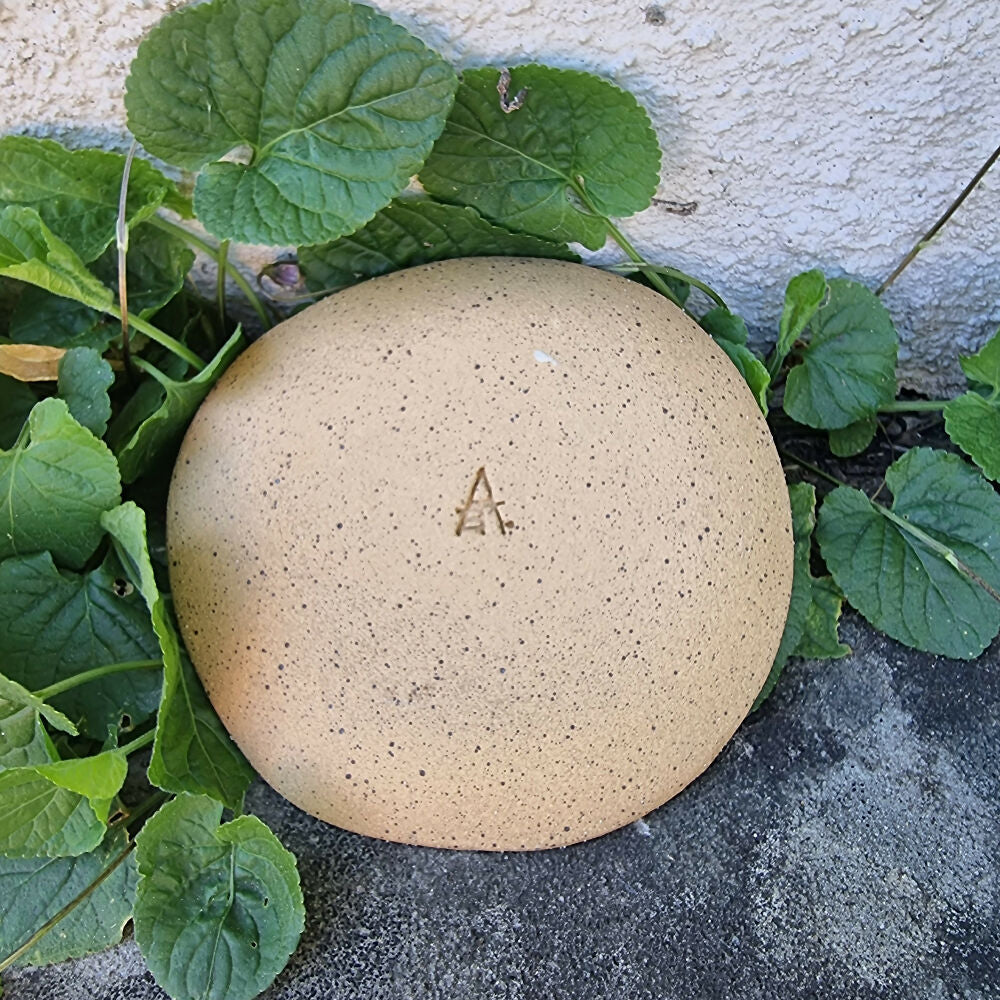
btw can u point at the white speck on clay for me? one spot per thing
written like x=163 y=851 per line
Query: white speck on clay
x=545 y=359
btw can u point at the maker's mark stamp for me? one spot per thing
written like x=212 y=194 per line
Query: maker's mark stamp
x=480 y=507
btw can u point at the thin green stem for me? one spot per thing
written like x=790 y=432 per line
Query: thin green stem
x=914 y=406
x=66 y=910
x=220 y=282
x=774 y=363
x=933 y=231
x=815 y=469
x=139 y=742
x=163 y=339
x=672 y=272
x=623 y=241
x=68 y=683
x=230 y=269
x=654 y=279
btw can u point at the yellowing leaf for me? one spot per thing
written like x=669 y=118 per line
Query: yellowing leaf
x=30 y=362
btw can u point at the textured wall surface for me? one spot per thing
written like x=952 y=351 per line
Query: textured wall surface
x=809 y=134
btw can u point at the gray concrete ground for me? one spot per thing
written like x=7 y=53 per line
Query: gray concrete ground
x=844 y=845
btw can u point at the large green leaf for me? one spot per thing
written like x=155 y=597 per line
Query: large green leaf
x=413 y=231
x=218 y=910
x=848 y=368
x=58 y=809
x=31 y=252
x=44 y=318
x=927 y=570
x=84 y=380
x=973 y=420
x=802 y=497
x=192 y=751
x=55 y=624
x=54 y=485
x=139 y=445
x=730 y=333
x=76 y=191
x=16 y=400
x=576 y=137
x=33 y=890
x=330 y=107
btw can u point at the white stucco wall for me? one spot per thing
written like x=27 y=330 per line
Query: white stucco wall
x=813 y=133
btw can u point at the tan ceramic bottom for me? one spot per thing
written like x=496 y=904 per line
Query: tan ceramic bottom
x=486 y=554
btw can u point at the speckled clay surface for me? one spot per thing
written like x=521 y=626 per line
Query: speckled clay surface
x=400 y=655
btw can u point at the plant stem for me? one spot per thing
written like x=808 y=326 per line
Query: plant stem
x=815 y=469
x=220 y=281
x=163 y=339
x=933 y=231
x=96 y=673
x=234 y=272
x=66 y=910
x=622 y=240
x=654 y=279
x=914 y=406
x=139 y=742
x=672 y=272
x=149 y=804
x=121 y=240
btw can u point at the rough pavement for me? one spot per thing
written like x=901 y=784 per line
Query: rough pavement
x=844 y=845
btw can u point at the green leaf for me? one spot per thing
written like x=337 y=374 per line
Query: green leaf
x=23 y=739
x=54 y=485
x=579 y=145
x=139 y=448
x=192 y=751
x=820 y=640
x=58 y=809
x=16 y=400
x=218 y=910
x=973 y=423
x=984 y=366
x=848 y=368
x=926 y=571
x=155 y=268
x=156 y=265
x=34 y=890
x=44 y=318
x=730 y=333
x=84 y=380
x=415 y=231
x=802 y=497
x=332 y=106
x=973 y=420
x=76 y=192
x=803 y=297
x=854 y=438
x=13 y=693
x=31 y=252
x=55 y=624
